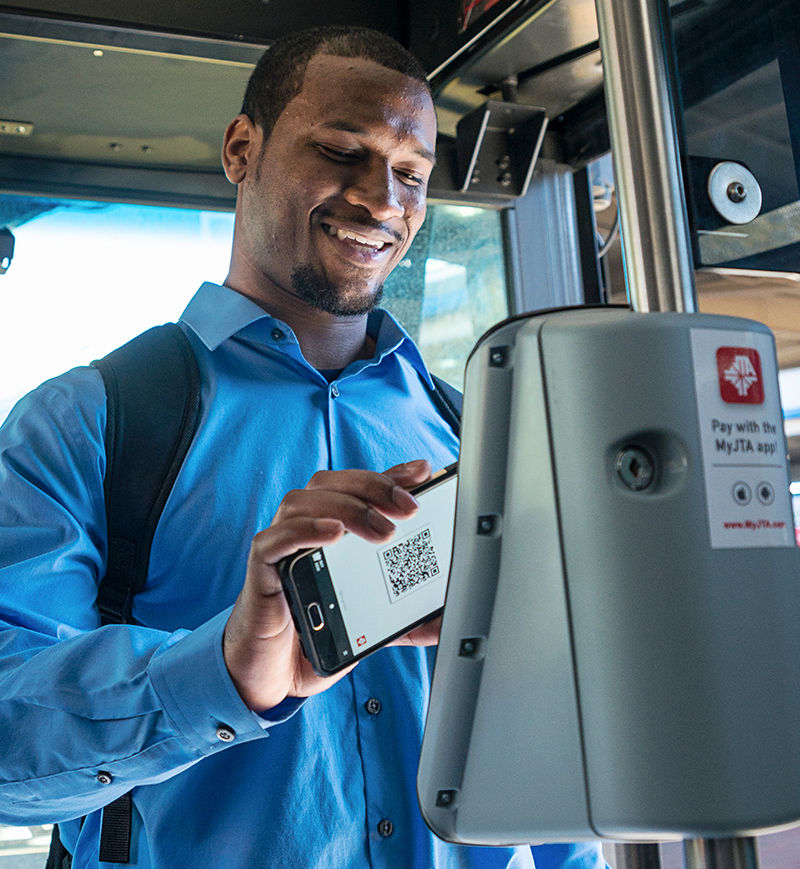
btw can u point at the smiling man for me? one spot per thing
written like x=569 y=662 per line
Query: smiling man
x=337 y=189
x=330 y=200
x=236 y=754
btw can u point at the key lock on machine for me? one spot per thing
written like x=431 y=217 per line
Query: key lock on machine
x=620 y=650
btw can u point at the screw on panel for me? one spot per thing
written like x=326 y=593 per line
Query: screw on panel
x=635 y=468
x=498 y=356
x=487 y=525
x=469 y=647
x=446 y=799
x=736 y=191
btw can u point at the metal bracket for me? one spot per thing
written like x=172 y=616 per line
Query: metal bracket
x=497 y=146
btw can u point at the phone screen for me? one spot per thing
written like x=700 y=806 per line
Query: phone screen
x=352 y=596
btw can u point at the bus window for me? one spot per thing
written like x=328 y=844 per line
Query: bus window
x=88 y=276
x=451 y=287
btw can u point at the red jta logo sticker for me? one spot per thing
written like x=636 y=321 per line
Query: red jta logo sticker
x=740 y=379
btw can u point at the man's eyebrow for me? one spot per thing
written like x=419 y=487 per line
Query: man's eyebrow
x=426 y=154
x=349 y=127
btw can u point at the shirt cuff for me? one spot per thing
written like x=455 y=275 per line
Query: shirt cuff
x=197 y=693
x=283 y=711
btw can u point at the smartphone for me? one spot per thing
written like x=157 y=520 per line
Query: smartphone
x=352 y=597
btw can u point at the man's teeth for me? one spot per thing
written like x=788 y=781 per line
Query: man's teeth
x=344 y=234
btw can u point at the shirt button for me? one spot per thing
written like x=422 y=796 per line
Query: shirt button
x=278 y=334
x=386 y=828
x=334 y=390
x=225 y=733
x=105 y=778
x=373 y=706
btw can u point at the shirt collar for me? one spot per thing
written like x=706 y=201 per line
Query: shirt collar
x=391 y=337
x=216 y=313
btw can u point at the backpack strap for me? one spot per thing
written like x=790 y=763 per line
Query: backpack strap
x=448 y=401
x=153 y=409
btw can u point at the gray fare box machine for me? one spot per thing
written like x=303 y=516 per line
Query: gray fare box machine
x=620 y=650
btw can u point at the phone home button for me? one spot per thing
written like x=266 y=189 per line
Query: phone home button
x=315 y=616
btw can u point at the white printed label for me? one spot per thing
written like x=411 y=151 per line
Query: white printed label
x=741 y=433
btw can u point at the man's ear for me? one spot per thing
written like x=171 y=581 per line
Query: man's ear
x=240 y=146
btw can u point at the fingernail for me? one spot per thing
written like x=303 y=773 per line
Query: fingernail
x=404 y=499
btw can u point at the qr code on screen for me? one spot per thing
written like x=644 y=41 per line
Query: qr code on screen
x=408 y=563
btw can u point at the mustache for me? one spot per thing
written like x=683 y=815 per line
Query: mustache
x=360 y=221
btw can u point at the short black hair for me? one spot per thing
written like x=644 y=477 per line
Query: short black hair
x=278 y=75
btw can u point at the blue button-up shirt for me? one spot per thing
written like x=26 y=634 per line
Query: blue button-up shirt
x=152 y=706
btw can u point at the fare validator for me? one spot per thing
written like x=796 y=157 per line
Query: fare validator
x=620 y=650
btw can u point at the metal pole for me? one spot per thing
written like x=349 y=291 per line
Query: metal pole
x=641 y=855
x=654 y=227
x=721 y=853
x=656 y=245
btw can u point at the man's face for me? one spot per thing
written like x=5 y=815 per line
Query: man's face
x=338 y=191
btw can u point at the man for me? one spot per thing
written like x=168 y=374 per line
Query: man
x=237 y=754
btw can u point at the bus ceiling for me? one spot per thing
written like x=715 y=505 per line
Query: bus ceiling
x=103 y=99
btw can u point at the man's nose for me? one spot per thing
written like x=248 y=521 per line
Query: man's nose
x=375 y=187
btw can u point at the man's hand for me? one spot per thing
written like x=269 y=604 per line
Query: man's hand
x=261 y=647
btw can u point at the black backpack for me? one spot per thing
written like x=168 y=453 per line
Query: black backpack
x=153 y=409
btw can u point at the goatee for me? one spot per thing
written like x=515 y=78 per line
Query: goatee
x=312 y=288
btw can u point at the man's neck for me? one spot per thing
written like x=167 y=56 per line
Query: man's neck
x=326 y=340
x=330 y=342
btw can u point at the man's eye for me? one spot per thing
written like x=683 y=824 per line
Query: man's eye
x=409 y=178
x=334 y=154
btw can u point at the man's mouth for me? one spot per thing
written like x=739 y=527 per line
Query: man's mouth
x=347 y=235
